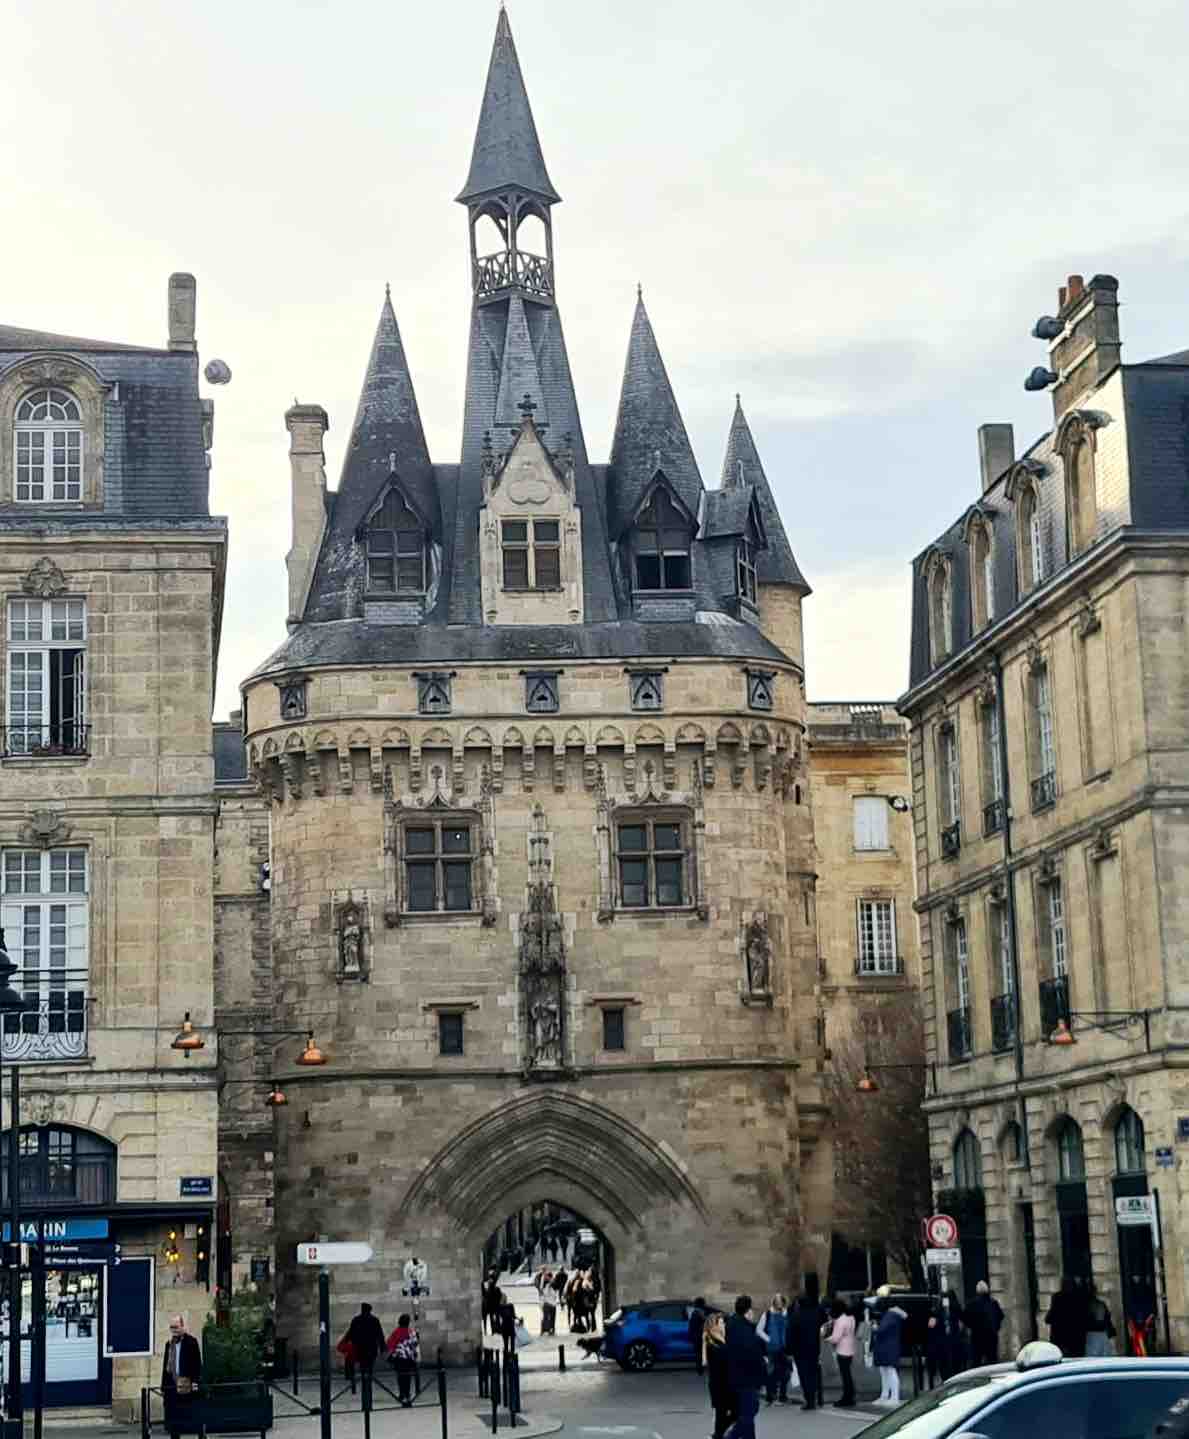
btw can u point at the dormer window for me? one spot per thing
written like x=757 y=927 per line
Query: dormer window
x=745 y=571
x=49 y=448
x=937 y=581
x=662 y=546
x=982 y=578
x=396 y=549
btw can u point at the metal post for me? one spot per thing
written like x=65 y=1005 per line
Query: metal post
x=442 y=1397
x=144 y=1414
x=324 y=1351
x=365 y=1400
x=15 y=1403
x=561 y=1358
x=494 y=1384
x=1159 y=1237
x=296 y=1377
x=38 y=1326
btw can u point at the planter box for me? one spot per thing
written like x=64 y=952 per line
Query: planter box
x=223 y=1409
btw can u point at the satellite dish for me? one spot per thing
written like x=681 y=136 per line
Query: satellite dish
x=217 y=372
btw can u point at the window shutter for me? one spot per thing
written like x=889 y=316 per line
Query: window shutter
x=871 y=822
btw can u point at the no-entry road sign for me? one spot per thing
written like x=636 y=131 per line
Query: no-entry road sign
x=941 y=1232
x=348 y=1253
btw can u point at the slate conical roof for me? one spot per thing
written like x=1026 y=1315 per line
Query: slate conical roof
x=386 y=440
x=507 y=153
x=742 y=466
x=649 y=432
x=519 y=375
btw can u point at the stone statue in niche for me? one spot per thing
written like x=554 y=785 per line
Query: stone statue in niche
x=542 y=963
x=757 y=948
x=350 y=941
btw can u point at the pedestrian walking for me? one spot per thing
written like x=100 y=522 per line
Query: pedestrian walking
x=886 y=1347
x=365 y=1335
x=803 y=1341
x=1100 y=1329
x=404 y=1349
x=840 y=1335
x=713 y=1358
x=506 y=1321
x=1068 y=1318
x=945 y=1342
x=984 y=1319
x=773 y=1330
x=695 y=1329
x=487 y=1301
x=181 y=1369
x=747 y=1371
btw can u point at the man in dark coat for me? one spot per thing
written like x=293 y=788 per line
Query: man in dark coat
x=181 y=1369
x=747 y=1368
x=803 y=1343
x=697 y=1323
x=365 y=1334
x=984 y=1319
x=1068 y=1318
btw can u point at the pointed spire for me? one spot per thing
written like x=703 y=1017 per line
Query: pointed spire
x=507 y=153
x=742 y=466
x=519 y=375
x=649 y=431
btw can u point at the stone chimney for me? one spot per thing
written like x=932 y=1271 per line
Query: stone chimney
x=307 y=424
x=183 y=302
x=1088 y=348
x=996 y=451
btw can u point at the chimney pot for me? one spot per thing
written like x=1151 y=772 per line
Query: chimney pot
x=1062 y=296
x=1075 y=284
x=183 y=300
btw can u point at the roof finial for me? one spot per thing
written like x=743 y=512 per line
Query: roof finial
x=387 y=290
x=639 y=291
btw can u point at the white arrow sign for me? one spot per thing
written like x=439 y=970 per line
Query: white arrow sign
x=319 y=1254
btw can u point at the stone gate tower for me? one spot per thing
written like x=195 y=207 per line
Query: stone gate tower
x=542 y=851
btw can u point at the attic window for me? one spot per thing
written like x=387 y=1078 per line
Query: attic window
x=646 y=688
x=49 y=447
x=540 y=692
x=662 y=547
x=433 y=693
x=760 y=689
x=745 y=571
x=395 y=549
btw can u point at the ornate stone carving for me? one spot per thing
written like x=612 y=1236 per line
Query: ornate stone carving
x=46 y=1109
x=44 y=828
x=350 y=931
x=1089 y=621
x=757 y=955
x=542 y=963
x=44 y=580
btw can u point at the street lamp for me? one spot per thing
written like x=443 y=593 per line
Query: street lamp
x=13 y=1002
x=189 y=1040
x=1105 y=1019
x=867 y=1084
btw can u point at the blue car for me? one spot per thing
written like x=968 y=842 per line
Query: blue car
x=639 y=1336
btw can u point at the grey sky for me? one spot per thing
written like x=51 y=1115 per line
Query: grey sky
x=851 y=213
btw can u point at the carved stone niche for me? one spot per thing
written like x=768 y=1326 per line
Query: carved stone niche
x=1048 y=869
x=351 y=930
x=757 y=960
x=294 y=690
x=45 y=829
x=45 y=580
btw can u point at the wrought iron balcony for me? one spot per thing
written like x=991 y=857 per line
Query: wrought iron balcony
x=1044 y=791
x=993 y=817
x=55 y=1025
x=47 y=741
x=951 y=840
x=1003 y=1022
x=1054 y=1002
x=508 y=271
x=961 y=1041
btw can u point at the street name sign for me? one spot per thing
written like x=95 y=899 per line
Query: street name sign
x=1135 y=1209
x=346 y=1253
x=943 y=1258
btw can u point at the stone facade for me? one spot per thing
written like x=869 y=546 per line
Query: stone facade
x=109 y=635
x=1049 y=758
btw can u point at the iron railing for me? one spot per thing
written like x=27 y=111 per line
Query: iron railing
x=951 y=840
x=505 y=271
x=1054 y=1002
x=54 y=1024
x=1044 y=791
x=1003 y=1022
x=992 y=817
x=961 y=1041
x=46 y=741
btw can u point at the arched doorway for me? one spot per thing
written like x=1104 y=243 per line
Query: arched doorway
x=1137 y=1258
x=1073 y=1210
x=554 y=1148
x=966 y=1203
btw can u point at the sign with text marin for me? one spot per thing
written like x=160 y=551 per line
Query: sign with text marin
x=34 y=1231
x=196 y=1186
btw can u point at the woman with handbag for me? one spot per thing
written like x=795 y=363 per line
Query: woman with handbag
x=404 y=1349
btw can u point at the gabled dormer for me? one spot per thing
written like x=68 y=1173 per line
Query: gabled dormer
x=402 y=561
x=733 y=536
x=530 y=531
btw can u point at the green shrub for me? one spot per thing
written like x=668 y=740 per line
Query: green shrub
x=233 y=1348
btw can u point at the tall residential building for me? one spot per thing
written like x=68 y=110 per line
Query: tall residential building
x=542 y=847
x=1050 y=752
x=111 y=585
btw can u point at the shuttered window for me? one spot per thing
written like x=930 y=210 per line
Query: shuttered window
x=871 y=822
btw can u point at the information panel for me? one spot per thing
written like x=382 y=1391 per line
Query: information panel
x=129 y=1316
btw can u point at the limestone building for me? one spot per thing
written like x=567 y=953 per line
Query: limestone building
x=111 y=573
x=1050 y=746
x=542 y=849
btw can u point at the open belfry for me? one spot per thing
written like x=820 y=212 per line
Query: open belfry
x=542 y=853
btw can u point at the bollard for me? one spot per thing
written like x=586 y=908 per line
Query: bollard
x=365 y=1400
x=561 y=1358
x=494 y=1384
x=442 y=1398
x=481 y=1369
x=296 y=1374
x=144 y=1413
